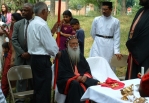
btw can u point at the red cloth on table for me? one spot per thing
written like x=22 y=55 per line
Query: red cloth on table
x=114 y=84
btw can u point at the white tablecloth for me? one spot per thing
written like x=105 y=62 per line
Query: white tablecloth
x=107 y=95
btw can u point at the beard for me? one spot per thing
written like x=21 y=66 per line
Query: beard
x=74 y=53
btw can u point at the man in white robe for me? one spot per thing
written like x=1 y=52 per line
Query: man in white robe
x=106 y=34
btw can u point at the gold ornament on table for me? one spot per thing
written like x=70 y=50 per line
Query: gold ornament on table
x=126 y=92
x=140 y=100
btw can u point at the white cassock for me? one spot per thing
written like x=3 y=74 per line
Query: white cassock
x=105 y=47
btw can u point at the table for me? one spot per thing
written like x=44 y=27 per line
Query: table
x=100 y=94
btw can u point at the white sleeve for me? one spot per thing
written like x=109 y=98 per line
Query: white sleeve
x=93 y=29
x=48 y=41
x=117 y=38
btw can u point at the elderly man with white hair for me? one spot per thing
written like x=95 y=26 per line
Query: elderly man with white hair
x=74 y=74
x=41 y=45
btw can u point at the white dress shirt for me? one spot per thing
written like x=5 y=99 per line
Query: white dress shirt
x=39 y=38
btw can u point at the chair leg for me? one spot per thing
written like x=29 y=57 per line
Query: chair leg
x=9 y=97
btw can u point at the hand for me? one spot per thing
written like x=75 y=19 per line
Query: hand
x=25 y=55
x=12 y=62
x=62 y=33
x=119 y=56
x=83 y=79
x=3 y=28
x=99 y=83
x=58 y=55
x=79 y=78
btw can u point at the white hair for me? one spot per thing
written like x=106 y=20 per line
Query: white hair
x=39 y=7
x=74 y=53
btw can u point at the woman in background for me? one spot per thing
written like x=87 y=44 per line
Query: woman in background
x=9 y=60
x=6 y=15
x=5 y=19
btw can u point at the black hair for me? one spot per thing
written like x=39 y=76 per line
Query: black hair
x=74 y=21
x=107 y=3
x=18 y=9
x=67 y=12
x=17 y=16
x=5 y=45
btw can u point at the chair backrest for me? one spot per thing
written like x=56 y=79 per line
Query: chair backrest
x=100 y=69
x=119 y=63
x=19 y=73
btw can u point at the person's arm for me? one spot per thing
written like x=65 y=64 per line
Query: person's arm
x=93 y=29
x=15 y=41
x=81 y=36
x=54 y=28
x=48 y=41
x=116 y=38
x=12 y=57
x=8 y=18
x=5 y=32
x=66 y=35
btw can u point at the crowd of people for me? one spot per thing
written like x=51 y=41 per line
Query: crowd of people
x=26 y=39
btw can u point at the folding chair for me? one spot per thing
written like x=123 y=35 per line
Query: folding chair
x=115 y=63
x=19 y=73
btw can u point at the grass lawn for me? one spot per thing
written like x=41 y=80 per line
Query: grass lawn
x=85 y=22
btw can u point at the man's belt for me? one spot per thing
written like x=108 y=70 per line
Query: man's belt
x=104 y=36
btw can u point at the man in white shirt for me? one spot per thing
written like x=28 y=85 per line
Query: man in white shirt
x=41 y=45
x=106 y=34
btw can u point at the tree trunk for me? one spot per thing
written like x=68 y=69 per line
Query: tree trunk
x=67 y=4
x=52 y=8
x=2 y=1
x=115 y=8
x=25 y=1
x=123 y=11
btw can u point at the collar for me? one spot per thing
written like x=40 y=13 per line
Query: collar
x=38 y=17
x=28 y=20
x=106 y=17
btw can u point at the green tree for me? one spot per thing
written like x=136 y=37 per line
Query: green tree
x=76 y=4
x=52 y=8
